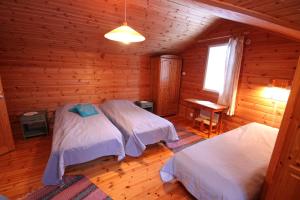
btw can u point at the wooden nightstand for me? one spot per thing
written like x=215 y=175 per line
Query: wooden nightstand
x=147 y=105
x=34 y=125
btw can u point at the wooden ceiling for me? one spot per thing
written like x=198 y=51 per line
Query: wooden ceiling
x=280 y=16
x=79 y=25
x=286 y=11
x=168 y=25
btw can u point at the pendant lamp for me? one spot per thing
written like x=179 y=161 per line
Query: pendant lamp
x=124 y=33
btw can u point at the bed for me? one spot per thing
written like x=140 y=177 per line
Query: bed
x=138 y=126
x=77 y=140
x=230 y=166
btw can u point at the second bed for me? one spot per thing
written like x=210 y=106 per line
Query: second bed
x=138 y=126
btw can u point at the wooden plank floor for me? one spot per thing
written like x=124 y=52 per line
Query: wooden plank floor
x=133 y=178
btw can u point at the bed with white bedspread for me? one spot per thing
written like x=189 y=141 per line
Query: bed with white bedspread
x=138 y=126
x=79 y=139
x=230 y=166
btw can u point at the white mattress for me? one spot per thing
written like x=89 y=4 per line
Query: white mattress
x=230 y=166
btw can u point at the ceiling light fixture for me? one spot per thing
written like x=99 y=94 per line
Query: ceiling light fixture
x=124 y=33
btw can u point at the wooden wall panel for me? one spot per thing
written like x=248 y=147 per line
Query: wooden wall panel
x=37 y=80
x=54 y=52
x=267 y=57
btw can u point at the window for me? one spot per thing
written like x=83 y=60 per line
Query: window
x=215 y=68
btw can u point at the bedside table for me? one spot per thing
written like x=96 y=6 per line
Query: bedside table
x=147 y=105
x=34 y=125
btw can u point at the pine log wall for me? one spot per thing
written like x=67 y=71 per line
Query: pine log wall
x=268 y=57
x=44 y=80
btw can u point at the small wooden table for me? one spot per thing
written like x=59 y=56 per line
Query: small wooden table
x=34 y=125
x=213 y=108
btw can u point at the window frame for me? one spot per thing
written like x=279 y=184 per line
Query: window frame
x=204 y=78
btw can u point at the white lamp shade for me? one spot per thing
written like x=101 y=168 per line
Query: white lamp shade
x=124 y=34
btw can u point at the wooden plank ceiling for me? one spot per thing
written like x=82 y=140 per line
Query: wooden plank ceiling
x=79 y=25
x=286 y=11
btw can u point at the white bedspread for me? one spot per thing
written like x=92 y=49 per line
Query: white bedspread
x=77 y=140
x=230 y=166
x=138 y=126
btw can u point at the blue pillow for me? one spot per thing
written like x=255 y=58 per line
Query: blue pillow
x=74 y=109
x=85 y=110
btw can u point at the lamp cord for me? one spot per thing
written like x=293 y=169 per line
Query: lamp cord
x=125 y=16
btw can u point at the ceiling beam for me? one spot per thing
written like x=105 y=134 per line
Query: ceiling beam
x=239 y=14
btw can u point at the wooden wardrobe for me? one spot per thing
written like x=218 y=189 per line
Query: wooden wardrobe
x=166 y=74
x=6 y=139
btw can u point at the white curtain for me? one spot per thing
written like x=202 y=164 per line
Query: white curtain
x=232 y=72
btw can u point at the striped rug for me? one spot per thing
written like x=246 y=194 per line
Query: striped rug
x=186 y=139
x=75 y=188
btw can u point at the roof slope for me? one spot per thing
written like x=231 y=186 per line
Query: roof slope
x=168 y=25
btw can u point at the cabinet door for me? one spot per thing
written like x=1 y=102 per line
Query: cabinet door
x=174 y=86
x=6 y=139
x=170 y=73
x=164 y=74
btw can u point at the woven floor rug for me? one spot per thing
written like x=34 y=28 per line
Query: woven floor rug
x=186 y=139
x=75 y=187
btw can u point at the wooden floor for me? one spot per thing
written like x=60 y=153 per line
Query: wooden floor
x=132 y=178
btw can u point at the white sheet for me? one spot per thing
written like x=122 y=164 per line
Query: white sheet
x=230 y=166
x=80 y=139
x=138 y=126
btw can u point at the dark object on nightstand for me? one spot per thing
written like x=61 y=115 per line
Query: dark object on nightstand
x=147 y=105
x=34 y=125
